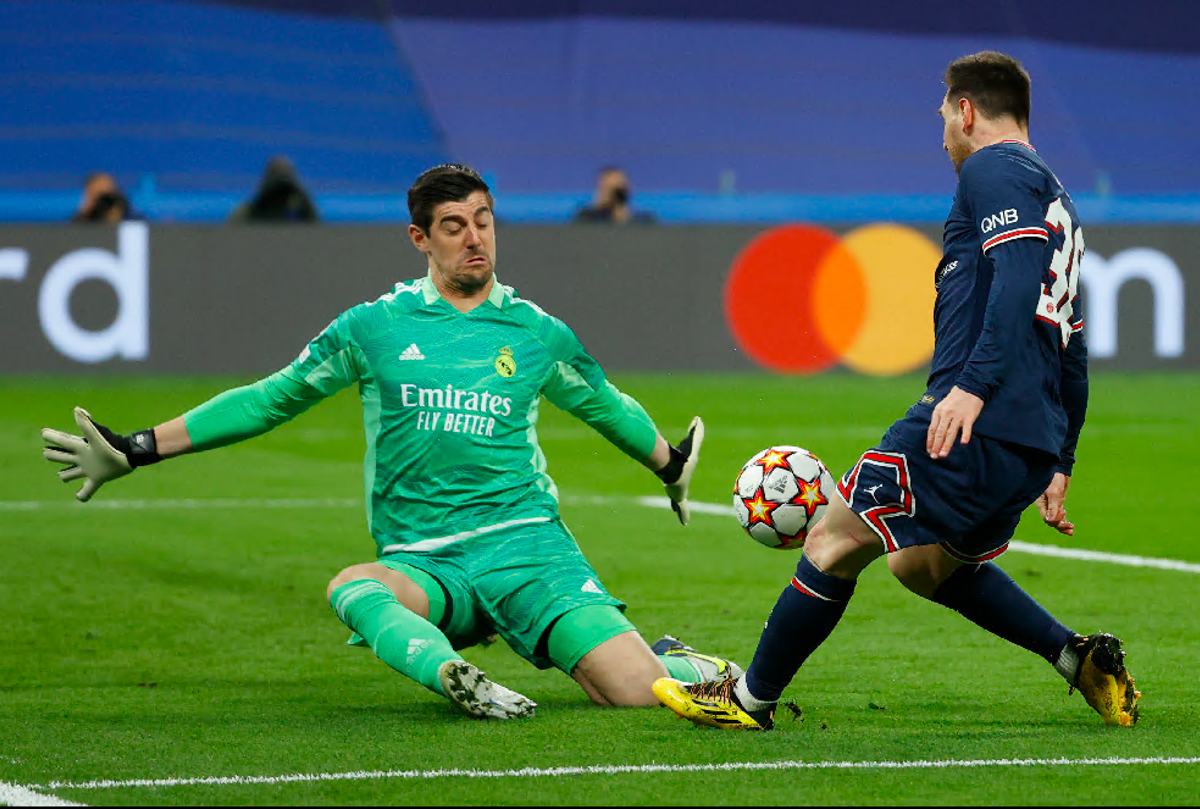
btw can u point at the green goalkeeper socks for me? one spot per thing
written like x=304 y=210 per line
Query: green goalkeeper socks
x=682 y=669
x=399 y=637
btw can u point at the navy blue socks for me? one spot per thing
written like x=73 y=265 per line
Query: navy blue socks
x=805 y=614
x=987 y=596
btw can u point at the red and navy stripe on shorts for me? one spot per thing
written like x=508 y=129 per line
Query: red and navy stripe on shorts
x=877 y=516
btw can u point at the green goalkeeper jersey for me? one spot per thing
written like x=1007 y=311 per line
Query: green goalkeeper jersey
x=450 y=409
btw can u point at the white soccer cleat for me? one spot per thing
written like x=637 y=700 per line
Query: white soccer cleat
x=467 y=687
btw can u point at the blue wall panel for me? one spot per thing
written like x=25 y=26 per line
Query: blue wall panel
x=763 y=98
x=201 y=95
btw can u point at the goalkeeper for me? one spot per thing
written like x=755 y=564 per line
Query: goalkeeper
x=469 y=543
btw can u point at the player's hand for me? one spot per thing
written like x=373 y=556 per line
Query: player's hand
x=955 y=413
x=1052 y=505
x=683 y=460
x=94 y=456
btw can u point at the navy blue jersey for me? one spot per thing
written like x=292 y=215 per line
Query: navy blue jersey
x=1007 y=322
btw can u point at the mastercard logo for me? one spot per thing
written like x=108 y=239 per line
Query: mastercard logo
x=800 y=299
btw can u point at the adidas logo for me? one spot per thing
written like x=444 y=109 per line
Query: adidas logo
x=412 y=353
x=415 y=646
x=590 y=586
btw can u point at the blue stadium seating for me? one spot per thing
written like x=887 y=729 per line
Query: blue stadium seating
x=755 y=111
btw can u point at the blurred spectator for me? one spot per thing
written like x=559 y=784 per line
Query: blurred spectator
x=102 y=201
x=280 y=197
x=611 y=202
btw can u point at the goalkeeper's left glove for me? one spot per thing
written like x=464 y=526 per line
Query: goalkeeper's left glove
x=100 y=455
x=677 y=474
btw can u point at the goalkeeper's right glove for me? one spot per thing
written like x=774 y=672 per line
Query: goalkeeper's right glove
x=677 y=474
x=100 y=455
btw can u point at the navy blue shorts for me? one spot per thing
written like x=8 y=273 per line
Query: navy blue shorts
x=968 y=502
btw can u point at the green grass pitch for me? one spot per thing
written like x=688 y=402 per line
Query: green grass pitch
x=175 y=629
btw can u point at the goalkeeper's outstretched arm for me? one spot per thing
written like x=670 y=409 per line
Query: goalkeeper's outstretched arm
x=625 y=423
x=99 y=455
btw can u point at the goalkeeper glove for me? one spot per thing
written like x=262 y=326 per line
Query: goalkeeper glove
x=677 y=474
x=100 y=455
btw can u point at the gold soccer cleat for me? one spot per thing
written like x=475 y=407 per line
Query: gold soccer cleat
x=712 y=704
x=1104 y=681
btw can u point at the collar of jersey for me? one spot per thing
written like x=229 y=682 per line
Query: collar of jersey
x=430 y=291
x=1028 y=146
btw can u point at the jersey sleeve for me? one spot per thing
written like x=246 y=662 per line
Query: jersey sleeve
x=1003 y=195
x=577 y=384
x=1074 y=394
x=330 y=362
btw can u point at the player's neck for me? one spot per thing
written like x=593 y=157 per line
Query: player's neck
x=464 y=300
x=994 y=135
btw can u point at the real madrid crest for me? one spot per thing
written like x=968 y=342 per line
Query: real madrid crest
x=505 y=364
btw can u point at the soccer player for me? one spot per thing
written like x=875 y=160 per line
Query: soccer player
x=469 y=543
x=995 y=430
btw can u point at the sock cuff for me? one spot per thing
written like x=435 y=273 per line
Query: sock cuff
x=681 y=668
x=744 y=695
x=1067 y=663
x=812 y=582
x=358 y=593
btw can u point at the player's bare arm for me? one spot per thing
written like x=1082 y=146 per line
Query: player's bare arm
x=172 y=438
x=659 y=456
x=954 y=414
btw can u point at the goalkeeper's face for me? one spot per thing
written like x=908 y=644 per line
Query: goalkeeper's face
x=461 y=243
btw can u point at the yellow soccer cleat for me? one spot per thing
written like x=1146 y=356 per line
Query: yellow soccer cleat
x=1104 y=681
x=712 y=704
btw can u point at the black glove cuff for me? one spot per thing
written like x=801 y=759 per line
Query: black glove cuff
x=139 y=448
x=143 y=448
x=674 y=468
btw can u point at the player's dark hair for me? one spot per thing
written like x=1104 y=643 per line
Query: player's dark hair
x=449 y=182
x=995 y=83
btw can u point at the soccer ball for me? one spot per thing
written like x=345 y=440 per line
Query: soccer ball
x=780 y=494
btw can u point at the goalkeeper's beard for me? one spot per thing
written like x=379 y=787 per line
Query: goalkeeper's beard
x=468 y=279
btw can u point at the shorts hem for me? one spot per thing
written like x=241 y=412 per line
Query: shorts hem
x=972 y=559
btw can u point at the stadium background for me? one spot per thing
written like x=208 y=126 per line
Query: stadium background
x=729 y=124
x=739 y=124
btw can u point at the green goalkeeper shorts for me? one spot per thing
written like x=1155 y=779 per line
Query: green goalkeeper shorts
x=517 y=582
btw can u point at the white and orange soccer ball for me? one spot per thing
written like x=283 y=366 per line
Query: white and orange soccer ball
x=780 y=494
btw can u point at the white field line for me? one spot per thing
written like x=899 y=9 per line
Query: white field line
x=1016 y=545
x=1127 y=560
x=26 y=796
x=618 y=769
x=184 y=503
x=13 y=795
